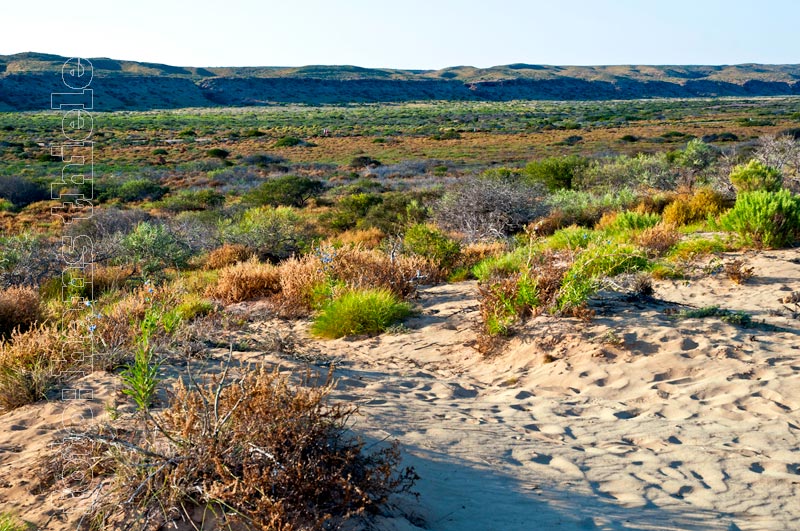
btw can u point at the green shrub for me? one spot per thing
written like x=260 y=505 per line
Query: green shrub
x=586 y=208
x=273 y=233
x=22 y=191
x=218 y=153
x=771 y=219
x=288 y=190
x=191 y=200
x=360 y=312
x=692 y=248
x=698 y=155
x=351 y=209
x=364 y=161
x=288 y=141
x=504 y=301
x=610 y=174
x=755 y=176
x=569 y=238
x=5 y=205
x=152 y=247
x=140 y=190
x=396 y=210
x=556 y=173
x=432 y=244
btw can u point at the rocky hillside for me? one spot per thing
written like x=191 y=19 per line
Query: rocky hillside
x=27 y=79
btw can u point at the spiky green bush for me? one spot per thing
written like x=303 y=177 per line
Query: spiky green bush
x=368 y=311
x=771 y=219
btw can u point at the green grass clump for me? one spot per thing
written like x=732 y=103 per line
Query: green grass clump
x=504 y=301
x=771 y=219
x=604 y=260
x=360 y=312
x=570 y=238
x=739 y=318
x=503 y=265
x=694 y=247
x=10 y=523
x=628 y=221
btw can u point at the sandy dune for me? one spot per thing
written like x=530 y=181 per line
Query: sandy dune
x=635 y=420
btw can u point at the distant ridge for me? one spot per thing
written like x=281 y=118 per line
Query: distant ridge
x=26 y=80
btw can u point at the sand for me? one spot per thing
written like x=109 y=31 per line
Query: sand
x=634 y=420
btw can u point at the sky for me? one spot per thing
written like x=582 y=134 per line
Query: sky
x=410 y=34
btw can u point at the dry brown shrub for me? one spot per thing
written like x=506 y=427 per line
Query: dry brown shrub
x=246 y=281
x=738 y=271
x=277 y=457
x=108 y=278
x=474 y=253
x=659 y=239
x=227 y=255
x=19 y=308
x=363 y=269
x=606 y=220
x=32 y=362
x=549 y=224
x=118 y=325
x=365 y=238
x=298 y=277
x=653 y=203
x=548 y=269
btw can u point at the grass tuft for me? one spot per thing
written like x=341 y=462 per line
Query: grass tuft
x=360 y=312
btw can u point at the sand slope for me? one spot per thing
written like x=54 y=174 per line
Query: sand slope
x=641 y=421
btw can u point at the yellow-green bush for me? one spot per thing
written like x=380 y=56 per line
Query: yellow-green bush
x=755 y=176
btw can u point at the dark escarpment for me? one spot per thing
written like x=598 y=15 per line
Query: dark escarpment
x=28 y=79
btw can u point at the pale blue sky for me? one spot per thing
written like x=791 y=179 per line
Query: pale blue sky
x=407 y=34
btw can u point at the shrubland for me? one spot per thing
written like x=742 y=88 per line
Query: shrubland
x=341 y=232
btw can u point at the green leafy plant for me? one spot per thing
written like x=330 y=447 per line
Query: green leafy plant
x=9 y=522
x=140 y=379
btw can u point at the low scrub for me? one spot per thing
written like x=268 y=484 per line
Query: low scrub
x=245 y=281
x=34 y=361
x=227 y=255
x=685 y=210
x=769 y=219
x=255 y=452
x=19 y=309
x=658 y=240
x=627 y=221
x=359 y=312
